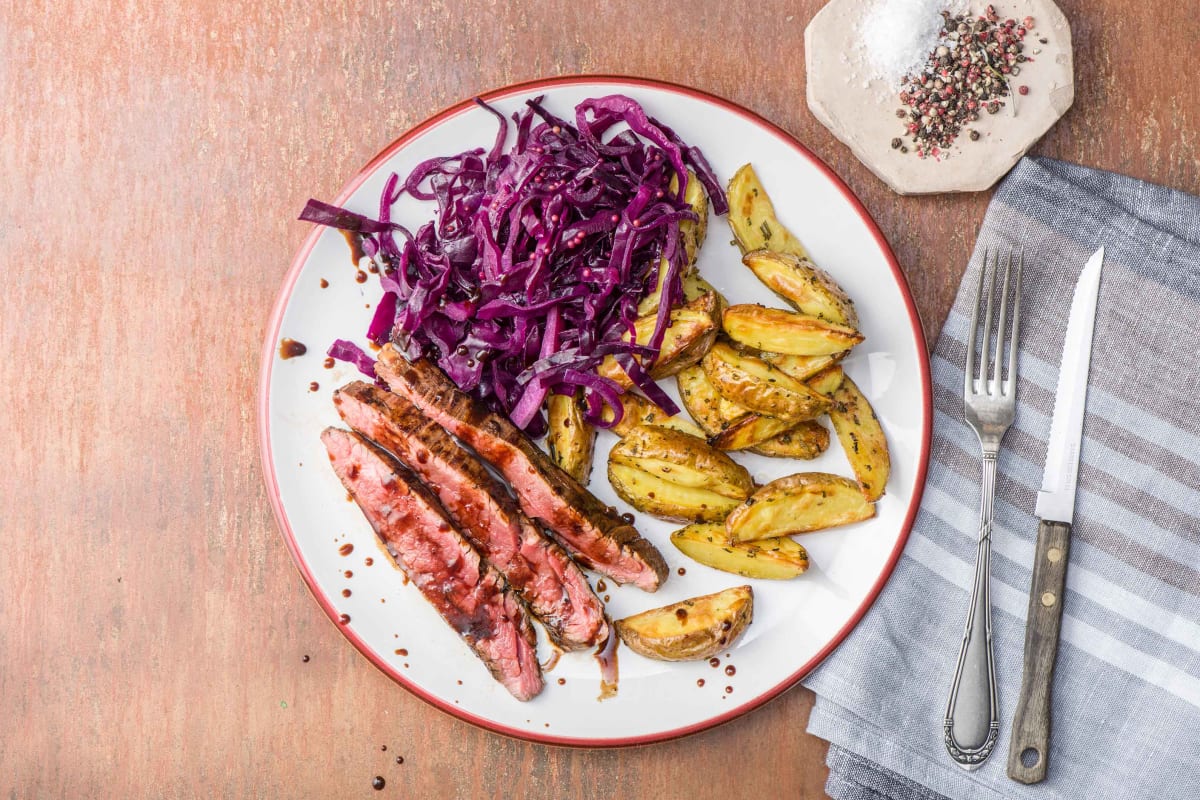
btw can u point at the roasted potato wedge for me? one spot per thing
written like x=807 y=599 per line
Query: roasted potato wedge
x=665 y=500
x=802 y=367
x=808 y=501
x=682 y=460
x=803 y=285
x=777 y=331
x=569 y=439
x=805 y=441
x=752 y=217
x=827 y=381
x=702 y=400
x=690 y=333
x=751 y=382
x=770 y=559
x=640 y=411
x=729 y=426
x=693 y=234
x=862 y=438
x=689 y=630
x=748 y=431
x=698 y=295
x=650 y=303
x=695 y=287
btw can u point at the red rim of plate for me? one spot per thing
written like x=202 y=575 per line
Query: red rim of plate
x=268 y=358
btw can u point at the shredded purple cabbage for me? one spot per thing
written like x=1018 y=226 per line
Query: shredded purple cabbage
x=347 y=351
x=532 y=269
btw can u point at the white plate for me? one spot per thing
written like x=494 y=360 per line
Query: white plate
x=796 y=623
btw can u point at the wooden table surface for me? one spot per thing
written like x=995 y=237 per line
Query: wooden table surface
x=152 y=625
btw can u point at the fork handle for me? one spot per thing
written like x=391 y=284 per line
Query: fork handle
x=1031 y=724
x=972 y=721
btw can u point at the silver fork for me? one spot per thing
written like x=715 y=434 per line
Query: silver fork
x=972 y=721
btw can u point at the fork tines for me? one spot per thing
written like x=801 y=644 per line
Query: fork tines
x=978 y=362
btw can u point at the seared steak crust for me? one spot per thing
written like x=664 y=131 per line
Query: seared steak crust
x=539 y=570
x=590 y=531
x=467 y=591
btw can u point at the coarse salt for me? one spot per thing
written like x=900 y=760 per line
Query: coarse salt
x=899 y=35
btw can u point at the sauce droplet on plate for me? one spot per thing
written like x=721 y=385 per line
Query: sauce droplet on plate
x=346 y=549
x=324 y=284
x=714 y=662
x=699 y=681
x=290 y=348
x=731 y=670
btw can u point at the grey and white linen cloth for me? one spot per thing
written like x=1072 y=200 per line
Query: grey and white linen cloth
x=1126 y=702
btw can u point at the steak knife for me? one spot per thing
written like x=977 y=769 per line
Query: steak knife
x=1029 y=749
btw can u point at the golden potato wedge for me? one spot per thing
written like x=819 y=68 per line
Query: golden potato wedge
x=770 y=559
x=777 y=331
x=862 y=438
x=728 y=425
x=689 y=630
x=751 y=382
x=752 y=217
x=803 y=285
x=802 y=367
x=693 y=234
x=748 y=431
x=808 y=501
x=709 y=306
x=805 y=441
x=569 y=439
x=640 y=411
x=682 y=460
x=701 y=399
x=649 y=304
x=686 y=340
x=827 y=381
x=708 y=301
x=698 y=295
x=665 y=500
x=695 y=287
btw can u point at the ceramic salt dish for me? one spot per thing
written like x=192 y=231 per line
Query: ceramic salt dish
x=853 y=96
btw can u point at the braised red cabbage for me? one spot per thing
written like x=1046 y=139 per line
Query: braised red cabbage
x=533 y=266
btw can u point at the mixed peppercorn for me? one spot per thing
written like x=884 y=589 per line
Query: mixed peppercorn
x=968 y=73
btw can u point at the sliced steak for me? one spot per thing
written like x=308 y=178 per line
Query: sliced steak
x=540 y=571
x=590 y=531
x=466 y=590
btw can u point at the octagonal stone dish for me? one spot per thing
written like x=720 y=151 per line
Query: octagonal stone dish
x=860 y=109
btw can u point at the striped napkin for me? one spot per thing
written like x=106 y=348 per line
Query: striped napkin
x=1126 y=708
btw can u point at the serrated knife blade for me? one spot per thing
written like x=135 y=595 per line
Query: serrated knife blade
x=1056 y=500
x=1029 y=748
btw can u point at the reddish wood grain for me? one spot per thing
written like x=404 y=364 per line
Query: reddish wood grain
x=152 y=627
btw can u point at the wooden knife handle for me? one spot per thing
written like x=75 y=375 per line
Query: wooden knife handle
x=1031 y=723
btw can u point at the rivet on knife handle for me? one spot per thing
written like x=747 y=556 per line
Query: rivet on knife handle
x=1029 y=750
